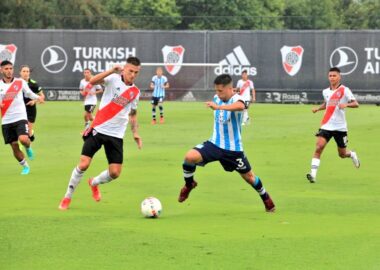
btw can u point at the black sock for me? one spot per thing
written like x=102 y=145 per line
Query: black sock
x=154 y=113
x=258 y=186
x=31 y=138
x=188 y=173
x=161 y=111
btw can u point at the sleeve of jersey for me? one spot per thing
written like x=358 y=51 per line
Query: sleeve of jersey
x=38 y=87
x=135 y=102
x=236 y=98
x=28 y=93
x=349 y=94
x=109 y=79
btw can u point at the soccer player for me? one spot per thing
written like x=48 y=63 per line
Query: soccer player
x=31 y=108
x=225 y=145
x=13 y=113
x=117 y=107
x=245 y=87
x=336 y=98
x=89 y=92
x=159 y=83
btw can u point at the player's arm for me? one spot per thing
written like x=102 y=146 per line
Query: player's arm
x=320 y=108
x=351 y=104
x=134 y=127
x=151 y=86
x=40 y=93
x=253 y=94
x=166 y=85
x=236 y=106
x=99 y=78
x=98 y=90
x=82 y=92
x=30 y=94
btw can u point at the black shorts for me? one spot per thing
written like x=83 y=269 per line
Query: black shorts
x=12 y=131
x=113 y=146
x=31 y=112
x=340 y=137
x=89 y=108
x=230 y=160
x=156 y=100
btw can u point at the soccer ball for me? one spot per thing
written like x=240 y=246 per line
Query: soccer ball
x=151 y=207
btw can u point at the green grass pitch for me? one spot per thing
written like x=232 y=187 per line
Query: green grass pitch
x=333 y=224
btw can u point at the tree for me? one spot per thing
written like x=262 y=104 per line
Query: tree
x=310 y=14
x=142 y=14
x=225 y=15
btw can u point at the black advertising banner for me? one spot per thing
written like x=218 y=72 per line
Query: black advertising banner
x=285 y=66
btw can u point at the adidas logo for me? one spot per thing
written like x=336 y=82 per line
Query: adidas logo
x=234 y=63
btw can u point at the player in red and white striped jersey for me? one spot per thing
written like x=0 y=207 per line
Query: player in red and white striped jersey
x=89 y=92
x=117 y=107
x=13 y=113
x=336 y=98
x=245 y=87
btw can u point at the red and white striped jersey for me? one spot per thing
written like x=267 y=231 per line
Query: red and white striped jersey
x=245 y=89
x=114 y=89
x=89 y=99
x=334 y=118
x=15 y=111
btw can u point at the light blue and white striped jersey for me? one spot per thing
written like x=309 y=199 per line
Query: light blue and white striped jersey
x=227 y=126
x=159 y=82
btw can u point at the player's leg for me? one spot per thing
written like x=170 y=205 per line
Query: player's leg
x=114 y=152
x=154 y=104
x=200 y=155
x=87 y=116
x=10 y=137
x=20 y=157
x=323 y=138
x=161 y=107
x=245 y=117
x=257 y=184
x=342 y=141
x=75 y=178
x=22 y=130
x=31 y=112
x=91 y=145
x=192 y=158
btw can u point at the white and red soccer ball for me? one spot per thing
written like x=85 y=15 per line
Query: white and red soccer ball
x=151 y=207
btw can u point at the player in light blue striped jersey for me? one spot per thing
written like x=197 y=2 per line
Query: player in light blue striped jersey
x=225 y=145
x=159 y=83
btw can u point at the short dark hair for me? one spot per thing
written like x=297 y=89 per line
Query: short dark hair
x=25 y=66
x=87 y=69
x=6 y=62
x=134 y=61
x=334 y=69
x=223 y=79
x=244 y=71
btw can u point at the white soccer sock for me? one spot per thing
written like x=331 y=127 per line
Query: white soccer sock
x=24 y=163
x=76 y=176
x=245 y=116
x=102 y=178
x=314 y=166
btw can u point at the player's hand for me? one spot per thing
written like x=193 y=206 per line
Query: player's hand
x=211 y=105
x=31 y=103
x=117 y=69
x=1 y=105
x=41 y=99
x=314 y=110
x=138 y=140
x=342 y=106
